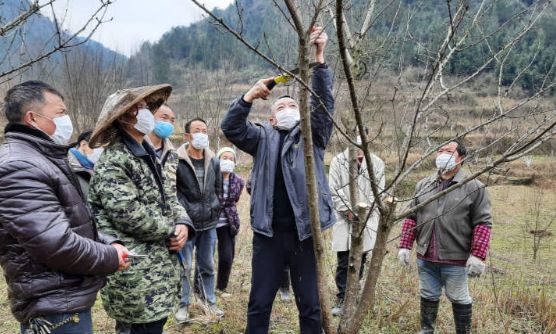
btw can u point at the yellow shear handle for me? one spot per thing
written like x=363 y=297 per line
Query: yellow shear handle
x=281 y=79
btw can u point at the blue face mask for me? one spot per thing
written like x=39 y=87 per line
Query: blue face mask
x=163 y=129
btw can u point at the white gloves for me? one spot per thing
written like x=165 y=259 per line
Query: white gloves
x=403 y=256
x=475 y=266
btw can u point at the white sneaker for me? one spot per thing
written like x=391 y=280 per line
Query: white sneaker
x=337 y=310
x=182 y=315
x=215 y=310
x=285 y=295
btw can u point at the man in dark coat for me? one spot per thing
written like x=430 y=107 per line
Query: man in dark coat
x=279 y=201
x=53 y=257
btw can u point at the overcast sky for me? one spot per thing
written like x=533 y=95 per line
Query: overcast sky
x=133 y=21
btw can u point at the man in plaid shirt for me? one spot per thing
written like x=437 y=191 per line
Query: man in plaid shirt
x=452 y=235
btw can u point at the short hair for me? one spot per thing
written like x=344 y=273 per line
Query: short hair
x=188 y=124
x=285 y=96
x=22 y=96
x=460 y=148
x=84 y=136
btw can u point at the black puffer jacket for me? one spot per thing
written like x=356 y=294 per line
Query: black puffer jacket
x=51 y=261
x=202 y=205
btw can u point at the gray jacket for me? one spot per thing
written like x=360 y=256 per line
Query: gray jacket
x=262 y=142
x=453 y=216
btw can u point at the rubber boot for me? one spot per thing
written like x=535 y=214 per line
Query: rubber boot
x=429 y=310
x=462 y=317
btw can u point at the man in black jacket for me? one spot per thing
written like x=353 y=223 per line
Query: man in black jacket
x=198 y=183
x=53 y=257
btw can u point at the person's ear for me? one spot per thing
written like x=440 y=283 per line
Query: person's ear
x=272 y=120
x=187 y=137
x=29 y=118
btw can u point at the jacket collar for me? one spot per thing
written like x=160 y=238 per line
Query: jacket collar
x=182 y=154
x=293 y=133
x=167 y=145
x=460 y=175
x=21 y=128
x=40 y=140
x=136 y=149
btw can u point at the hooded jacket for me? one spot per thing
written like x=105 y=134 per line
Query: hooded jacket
x=262 y=141
x=52 y=256
x=202 y=205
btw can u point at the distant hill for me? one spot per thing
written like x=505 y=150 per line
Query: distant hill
x=205 y=45
x=34 y=37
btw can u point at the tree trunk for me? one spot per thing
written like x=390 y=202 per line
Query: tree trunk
x=356 y=247
x=369 y=291
x=355 y=255
x=312 y=191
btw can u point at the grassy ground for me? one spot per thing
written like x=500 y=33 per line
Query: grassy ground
x=517 y=295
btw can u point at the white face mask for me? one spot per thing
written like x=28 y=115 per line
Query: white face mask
x=200 y=141
x=64 y=129
x=95 y=155
x=227 y=166
x=446 y=162
x=287 y=118
x=145 y=121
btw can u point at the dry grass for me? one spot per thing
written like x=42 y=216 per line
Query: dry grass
x=515 y=296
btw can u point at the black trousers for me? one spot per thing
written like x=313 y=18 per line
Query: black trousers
x=341 y=272
x=226 y=254
x=156 y=327
x=270 y=257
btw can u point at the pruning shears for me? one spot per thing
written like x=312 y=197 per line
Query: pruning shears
x=132 y=257
x=284 y=78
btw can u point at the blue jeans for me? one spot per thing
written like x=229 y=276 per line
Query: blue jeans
x=84 y=324
x=433 y=276
x=204 y=243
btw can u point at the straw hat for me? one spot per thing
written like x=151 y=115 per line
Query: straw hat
x=119 y=103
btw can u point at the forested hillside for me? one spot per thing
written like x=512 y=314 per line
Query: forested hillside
x=205 y=45
x=37 y=36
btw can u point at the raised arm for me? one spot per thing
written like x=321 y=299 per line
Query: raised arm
x=235 y=126
x=321 y=83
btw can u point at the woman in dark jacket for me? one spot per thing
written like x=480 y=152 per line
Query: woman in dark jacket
x=228 y=224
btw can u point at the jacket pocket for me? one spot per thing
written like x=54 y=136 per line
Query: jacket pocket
x=124 y=296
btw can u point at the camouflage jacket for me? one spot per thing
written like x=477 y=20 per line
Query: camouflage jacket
x=126 y=199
